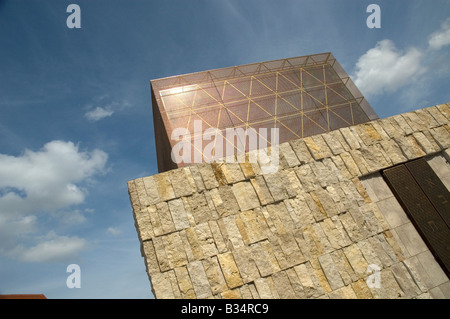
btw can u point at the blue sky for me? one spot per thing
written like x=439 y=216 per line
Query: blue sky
x=76 y=119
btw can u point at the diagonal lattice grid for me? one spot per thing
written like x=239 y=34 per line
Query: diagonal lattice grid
x=300 y=96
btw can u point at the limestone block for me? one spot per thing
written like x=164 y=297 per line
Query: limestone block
x=164 y=186
x=299 y=211
x=232 y=172
x=224 y=201
x=361 y=289
x=307 y=178
x=352 y=139
x=264 y=259
x=162 y=286
x=245 y=263
x=334 y=173
x=351 y=227
x=199 y=279
x=335 y=142
x=317 y=147
x=405 y=281
x=378 y=126
x=283 y=285
x=445 y=109
x=323 y=174
x=344 y=268
x=230 y=270
x=172 y=279
x=315 y=265
x=441 y=135
x=178 y=213
x=160 y=253
x=197 y=177
x=277 y=185
x=368 y=134
x=359 y=160
x=245 y=195
x=183 y=183
x=293 y=185
x=245 y=292
x=389 y=287
x=427 y=118
x=175 y=252
x=254 y=291
x=263 y=193
x=383 y=250
x=288 y=154
x=393 y=151
x=280 y=217
x=263 y=288
x=439 y=116
x=187 y=246
x=403 y=124
x=414 y=121
x=301 y=150
x=369 y=253
x=141 y=193
x=217 y=235
x=410 y=147
x=356 y=260
x=335 y=232
x=194 y=243
x=230 y=232
x=434 y=271
x=144 y=224
x=205 y=239
x=290 y=249
x=340 y=165
x=297 y=287
x=154 y=219
x=184 y=283
x=309 y=280
x=165 y=217
x=151 y=261
x=324 y=202
x=214 y=274
x=391 y=127
x=317 y=211
x=208 y=176
x=199 y=208
x=249 y=169
x=332 y=274
x=151 y=190
x=350 y=164
x=232 y=294
x=252 y=227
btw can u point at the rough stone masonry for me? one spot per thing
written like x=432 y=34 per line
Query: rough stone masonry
x=312 y=230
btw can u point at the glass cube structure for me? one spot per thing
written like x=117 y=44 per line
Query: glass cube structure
x=301 y=96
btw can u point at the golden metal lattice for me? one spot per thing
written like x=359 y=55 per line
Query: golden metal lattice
x=300 y=96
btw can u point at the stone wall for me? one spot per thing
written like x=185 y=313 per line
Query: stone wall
x=312 y=230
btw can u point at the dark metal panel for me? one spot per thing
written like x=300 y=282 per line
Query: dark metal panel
x=424 y=216
x=432 y=186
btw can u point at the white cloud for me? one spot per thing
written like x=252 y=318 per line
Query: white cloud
x=98 y=113
x=114 y=231
x=109 y=108
x=53 y=248
x=44 y=181
x=385 y=68
x=440 y=38
x=47 y=179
